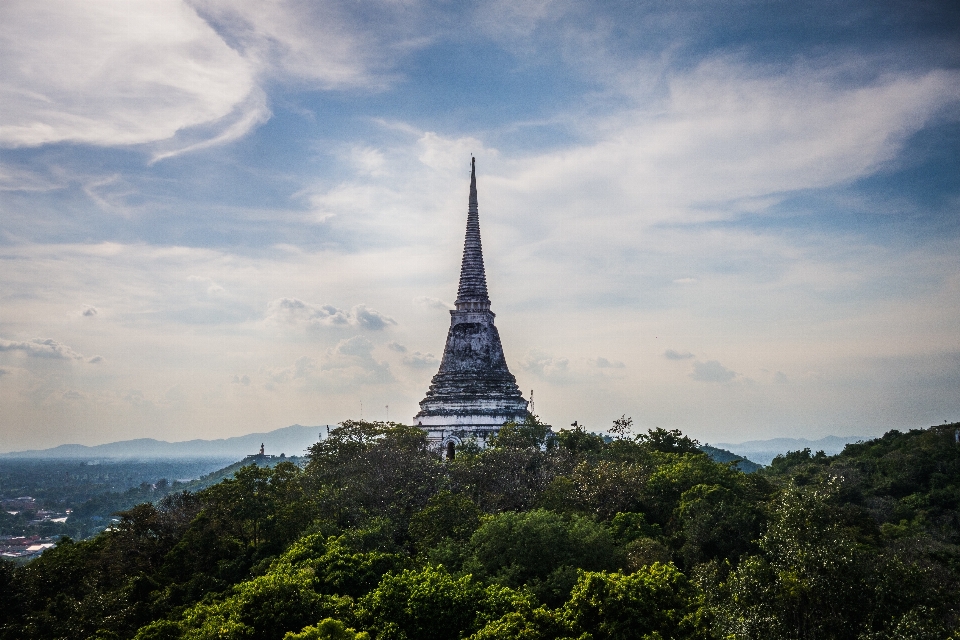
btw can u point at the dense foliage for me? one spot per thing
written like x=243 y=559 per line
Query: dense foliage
x=539 y=536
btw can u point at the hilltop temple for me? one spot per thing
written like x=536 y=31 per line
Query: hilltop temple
x=473 y=393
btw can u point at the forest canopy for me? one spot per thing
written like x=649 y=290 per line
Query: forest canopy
x=540 y=535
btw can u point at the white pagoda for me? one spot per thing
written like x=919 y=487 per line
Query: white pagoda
x=473 y=393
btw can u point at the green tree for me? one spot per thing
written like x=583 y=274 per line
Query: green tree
x=715 y=522
x=431 y=604
x=541 y=550
x=601 y=488
x=367 y=470
x=242 y=520
x=265 y=607
x=653 y=603
x=522 y=435
x=578 y=441
x=668 y=441
x=328 y=629
x=446 y=516
x=809 y=582
x=528 y=623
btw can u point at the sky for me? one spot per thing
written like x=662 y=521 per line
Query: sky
x=740 y=219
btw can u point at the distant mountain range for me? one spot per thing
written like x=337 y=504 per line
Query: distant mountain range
x=292 y=440
x=764 y=451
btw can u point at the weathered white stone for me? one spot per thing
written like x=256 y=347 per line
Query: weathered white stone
x=473 y=393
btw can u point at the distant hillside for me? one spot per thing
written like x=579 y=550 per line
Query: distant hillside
x=722 y=455
x=764 y=451
x=292 y=441
x=219 y=475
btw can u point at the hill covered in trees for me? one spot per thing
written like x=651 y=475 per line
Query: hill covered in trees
x=541 y=536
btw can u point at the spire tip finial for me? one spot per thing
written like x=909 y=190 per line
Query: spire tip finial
x=472 y=293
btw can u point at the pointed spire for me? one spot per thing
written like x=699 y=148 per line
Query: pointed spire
x=472 y=294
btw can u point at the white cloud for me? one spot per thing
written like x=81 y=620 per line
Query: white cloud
x=369 y=318
x=603 y=363
x=367 y=160
x=351 y=362
x=417 y=360
x=110 y=73
x=442 y=153
x=212 y=287
x=546 y=366
x=41 y=348
x=358 y=346
x=14 y=178
x=249 y=113
x=671 y=354
x=712 y=371
x=297 y=312
x=433 y=303
x=156 y=72
x=304 y=367
x=725 y=137
x=308 y=41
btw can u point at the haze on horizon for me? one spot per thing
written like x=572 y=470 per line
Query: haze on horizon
x=218 y=218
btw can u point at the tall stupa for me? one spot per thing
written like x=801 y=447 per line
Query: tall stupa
x=473 y=393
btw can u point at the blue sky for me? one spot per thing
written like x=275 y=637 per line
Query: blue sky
x=739 y=219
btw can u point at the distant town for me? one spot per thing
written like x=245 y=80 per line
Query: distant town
x=45 y=499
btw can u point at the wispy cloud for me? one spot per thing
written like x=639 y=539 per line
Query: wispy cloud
x=724 y=133
x=90 y=73
x=184 y=75
x=322 y=43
